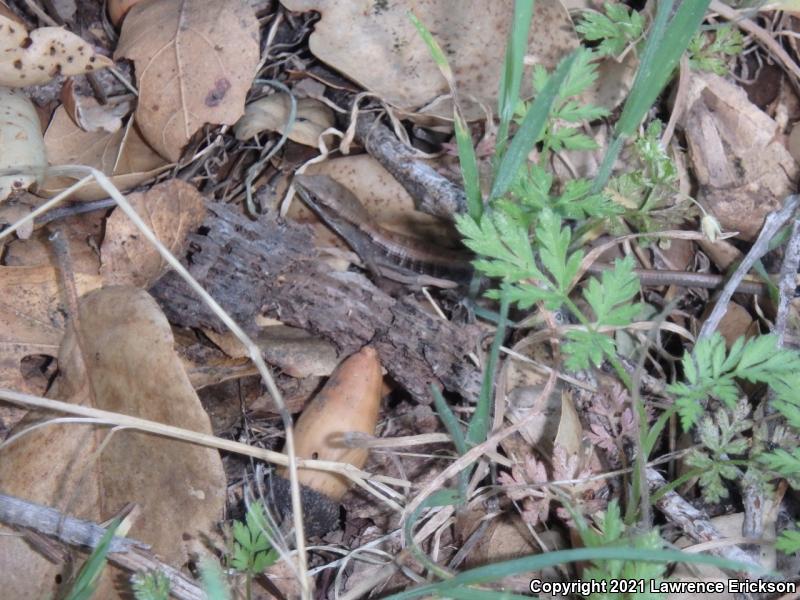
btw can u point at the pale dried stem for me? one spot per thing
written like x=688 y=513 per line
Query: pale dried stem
x=109 y=418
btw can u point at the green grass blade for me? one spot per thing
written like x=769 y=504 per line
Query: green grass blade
x=478 y=428
x=538 y=562
x=656 y=429
x=453 y=427
x=465 y=593
x=668 y=38
x=469 y=165
x=672 y=485
x=466 y=152
x=434 y=48
x=531 y=129
x=86 y=581
x=449 y=421
x=445 y=497
x=511 y=80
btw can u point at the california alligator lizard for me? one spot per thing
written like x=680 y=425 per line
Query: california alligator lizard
x=405 y=258
x=384 y=252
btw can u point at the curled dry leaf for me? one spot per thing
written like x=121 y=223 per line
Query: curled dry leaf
x=172 y=209
x=117 y=9
x=21 y=143
x=349 y=402
x=739 y=159
x=36 y=57
x=195 y=61
x=131 y=367
x=123 y=155
x=89 y=114
x=271 y=113
x=393 y=61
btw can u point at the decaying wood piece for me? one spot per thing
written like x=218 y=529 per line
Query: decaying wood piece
x=270 y=266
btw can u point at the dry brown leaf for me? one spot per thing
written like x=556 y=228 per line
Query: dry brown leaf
x=122 y=155
x=89 y=114
x=131 y=368
x=506 y=537
x=36 y=57
x=8 y=13
x=392 y=61
x=195 y=61
x=740 y=162
x=172 y=209
x=271 y=113
x=614 y=80
x=570 y=431
x=32 y=317
x=82 y=234
x=735 y=323
x=21 y=144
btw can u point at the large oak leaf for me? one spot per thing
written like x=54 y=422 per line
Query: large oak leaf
x=195 y=61
x=117 y=355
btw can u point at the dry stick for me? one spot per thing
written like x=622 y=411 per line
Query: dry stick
x=763 y=36
x=127 y=553
x=693 y=522
x=109 y=418
x=754 y=501
x=787 y=282
x=772 y=225
x=432 y=192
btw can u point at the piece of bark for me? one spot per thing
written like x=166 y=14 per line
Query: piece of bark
x=270 y=266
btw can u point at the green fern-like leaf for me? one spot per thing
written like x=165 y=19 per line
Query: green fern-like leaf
x=615 y=29
x=252 y=547
x=713 y=55
x=610 y=298
x=611 y=531
x=711 y=372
